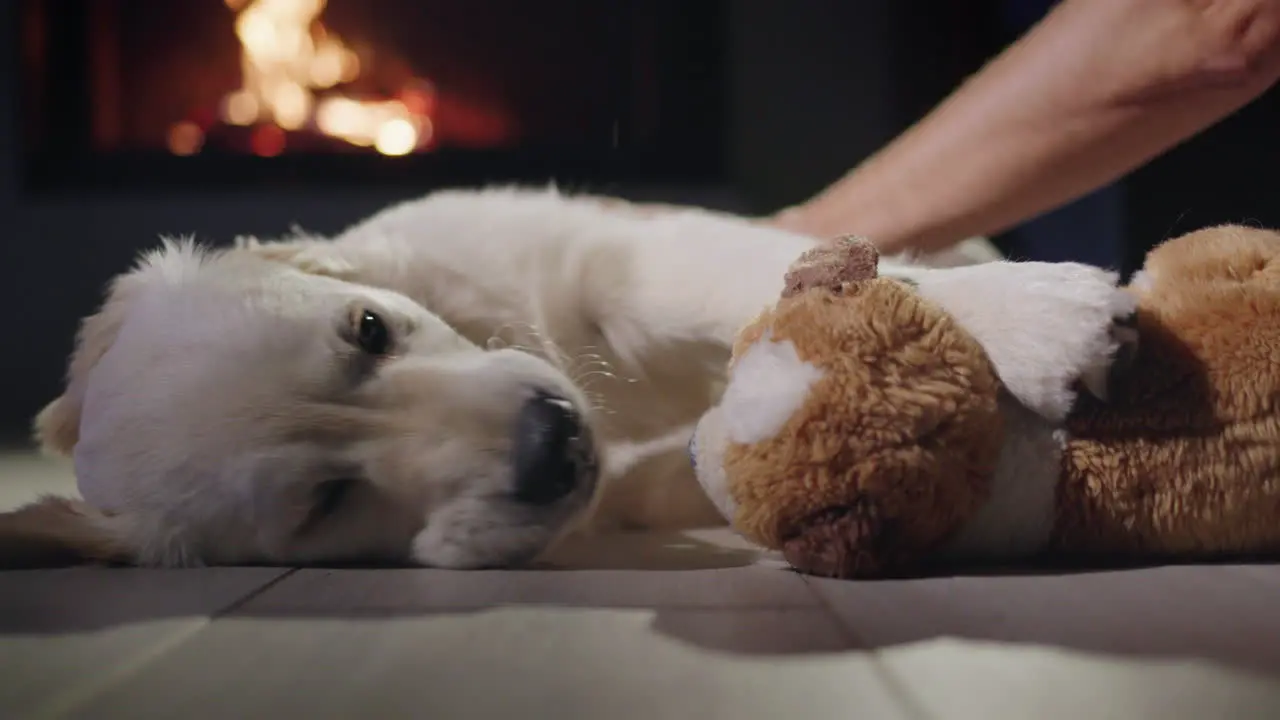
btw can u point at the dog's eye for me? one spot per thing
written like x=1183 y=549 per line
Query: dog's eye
x=371 y=333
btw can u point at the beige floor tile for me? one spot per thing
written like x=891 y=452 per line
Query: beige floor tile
x=44 y=675
x=65 y=634
x=390 y=591
x=34 y=602
x=1226 y=614
x=513 y=662
x=24 y=476
x=988 y=681
x=690 y=625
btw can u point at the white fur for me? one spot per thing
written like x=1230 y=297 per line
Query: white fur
x=768 y=384
x=1017 y=519
x=1044 y=325
x=706 y=451
x=212 y=394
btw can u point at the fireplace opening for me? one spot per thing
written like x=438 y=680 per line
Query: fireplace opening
x=207 y=94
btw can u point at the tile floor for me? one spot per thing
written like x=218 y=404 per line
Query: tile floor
x=697 y=626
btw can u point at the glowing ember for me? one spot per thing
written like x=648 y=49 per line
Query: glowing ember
x=185 y=138
x=267 y=141
x=287 y=56
x=383 y=125
x=396 y=137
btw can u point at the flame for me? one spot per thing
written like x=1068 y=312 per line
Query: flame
x=288 y=57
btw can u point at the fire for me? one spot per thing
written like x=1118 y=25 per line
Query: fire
x=290 y=64
x=387 y=126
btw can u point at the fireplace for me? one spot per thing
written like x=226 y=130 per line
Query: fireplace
x=206 y=94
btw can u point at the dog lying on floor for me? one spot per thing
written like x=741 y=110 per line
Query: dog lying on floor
x=458 y=381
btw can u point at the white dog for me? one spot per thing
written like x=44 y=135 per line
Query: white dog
x=458 y=381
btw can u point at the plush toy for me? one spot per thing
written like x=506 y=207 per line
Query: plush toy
x=864 y=432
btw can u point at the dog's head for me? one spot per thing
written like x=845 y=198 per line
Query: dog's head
x=222 y=408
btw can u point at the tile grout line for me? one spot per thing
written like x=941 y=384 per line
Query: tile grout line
x=84 y=694
x=380 y=611
x=897 y=686
x=253 y=594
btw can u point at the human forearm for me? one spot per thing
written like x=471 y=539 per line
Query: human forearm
x=1100 y=87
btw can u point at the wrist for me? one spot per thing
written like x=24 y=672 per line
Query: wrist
x=867 y=203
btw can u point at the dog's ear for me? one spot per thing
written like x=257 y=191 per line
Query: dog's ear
x=57 y=531
x=57 y=427
x=314 y=256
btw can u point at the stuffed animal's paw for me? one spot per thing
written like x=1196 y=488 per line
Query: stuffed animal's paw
x=1068 y=324
x=1048 y=328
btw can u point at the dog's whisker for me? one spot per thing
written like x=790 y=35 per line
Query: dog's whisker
x=586 y=379
x=584 y=369
x=590 y=374
x=598 y=369
x=581 y=368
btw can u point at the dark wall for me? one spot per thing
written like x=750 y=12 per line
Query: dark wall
x=819 y=85
x=1227 y=174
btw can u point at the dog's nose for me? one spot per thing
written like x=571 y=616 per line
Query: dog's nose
x=548 y=450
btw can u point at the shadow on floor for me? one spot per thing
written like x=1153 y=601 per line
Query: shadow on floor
x=655 y=551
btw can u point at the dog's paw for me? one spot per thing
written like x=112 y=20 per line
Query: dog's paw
x=1049 y=328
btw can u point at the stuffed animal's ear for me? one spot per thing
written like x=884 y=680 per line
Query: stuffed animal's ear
x=1231 y=254
x=831 y=265
x=57 y=531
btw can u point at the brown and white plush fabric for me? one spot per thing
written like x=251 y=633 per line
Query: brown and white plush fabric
x=1184 y=461
x=882 y=436
x=892 y=480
